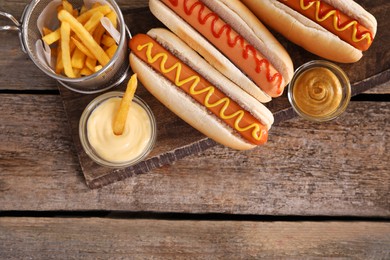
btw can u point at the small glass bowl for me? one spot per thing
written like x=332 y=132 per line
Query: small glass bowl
x=83 y=131
x=345 y=90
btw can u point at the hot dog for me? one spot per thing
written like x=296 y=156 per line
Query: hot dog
x=195 y=91
x=232 y=40
x=335 y=30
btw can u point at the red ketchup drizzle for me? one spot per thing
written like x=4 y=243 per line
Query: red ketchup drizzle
x=233 y=38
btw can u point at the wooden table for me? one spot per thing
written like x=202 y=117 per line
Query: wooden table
x=315 y=190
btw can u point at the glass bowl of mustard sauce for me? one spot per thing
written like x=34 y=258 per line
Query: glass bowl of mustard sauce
x=319 y=91
x=117 y=151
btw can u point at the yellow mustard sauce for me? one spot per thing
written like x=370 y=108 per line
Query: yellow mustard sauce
x=317 y=92
x=336 y=23
x=118 y=148
x=194 y=90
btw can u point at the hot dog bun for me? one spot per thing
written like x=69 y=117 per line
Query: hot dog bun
x=309 y=34
x=242 y=21
x=183 y=105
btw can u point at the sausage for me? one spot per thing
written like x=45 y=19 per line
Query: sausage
x=201 y=90
x=249 y=60
x=334 y=20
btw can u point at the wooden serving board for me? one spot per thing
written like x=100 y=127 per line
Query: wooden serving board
x=176 y=139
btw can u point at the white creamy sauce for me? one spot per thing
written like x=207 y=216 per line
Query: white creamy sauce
x=118 y=148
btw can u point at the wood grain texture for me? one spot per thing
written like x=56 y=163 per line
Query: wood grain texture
x=139 y=19
x=381 y=89
x=335 y=169
x=169 y=146
x=169 y=150
x=95 y=238
x=17 y=71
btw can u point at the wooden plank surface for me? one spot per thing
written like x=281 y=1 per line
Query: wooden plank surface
x=169 y=147
x=335 y=168
x=39 y=168
x=60 y=238
x=185 y=140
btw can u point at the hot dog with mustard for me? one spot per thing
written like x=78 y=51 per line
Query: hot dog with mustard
x=232 y=40
x=335 y=30
x=195 y=91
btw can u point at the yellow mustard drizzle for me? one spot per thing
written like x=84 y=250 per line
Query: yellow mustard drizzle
x=353 y=23
x=256 y=132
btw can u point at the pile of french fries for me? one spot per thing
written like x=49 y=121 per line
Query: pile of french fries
x=81 y=45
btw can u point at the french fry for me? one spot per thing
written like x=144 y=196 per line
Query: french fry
x=77 y=72
x=65 y=48
x=107 y=40
x=90 y=63
x=97 y=68
x=67 y=6
x=72 y=46
x=121 y=115
x=78 y=59
x=53 y=50
x=82 y=48
x=98 y=33
x=104 y=9
x=93 y=22
x=52 y=37
x=59 y=64
x=46 y=31
x=85 y=37
x=85 y=71
x=111 y=51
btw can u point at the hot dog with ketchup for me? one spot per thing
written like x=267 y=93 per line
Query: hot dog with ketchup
x=231 y=39
x=195 y=91
x=335 y=30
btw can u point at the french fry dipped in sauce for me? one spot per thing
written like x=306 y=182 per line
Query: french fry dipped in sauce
x=121 y=128
x=121 y=116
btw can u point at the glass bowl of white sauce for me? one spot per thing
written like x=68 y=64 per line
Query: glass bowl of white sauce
x=117 y=151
